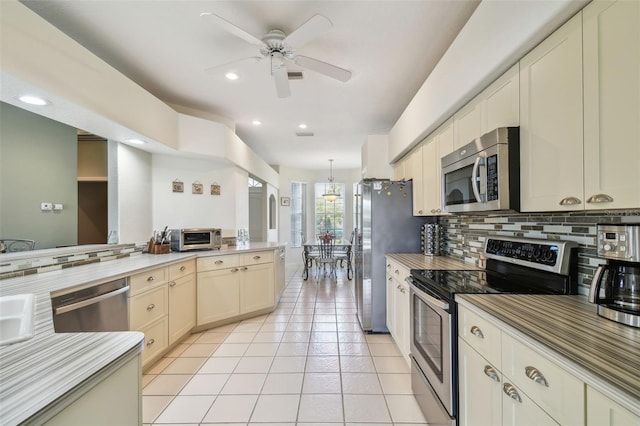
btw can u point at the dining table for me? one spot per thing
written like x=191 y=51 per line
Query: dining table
x=338 y=246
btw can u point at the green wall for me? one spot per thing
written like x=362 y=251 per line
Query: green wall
x=38 y=163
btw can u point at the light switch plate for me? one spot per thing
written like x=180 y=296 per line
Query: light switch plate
x=45 y=207
x=57 y=207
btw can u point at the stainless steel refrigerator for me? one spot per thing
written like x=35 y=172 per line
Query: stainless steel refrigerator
x=384 y=224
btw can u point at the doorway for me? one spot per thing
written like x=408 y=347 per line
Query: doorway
x=92 y=189
x=257 y=210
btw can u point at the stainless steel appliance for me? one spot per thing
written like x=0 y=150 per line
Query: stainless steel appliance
x=186 y=239
x=102 y=307
x=483 y=175
x=384 y=224
x=616 y=285
x=514 y=265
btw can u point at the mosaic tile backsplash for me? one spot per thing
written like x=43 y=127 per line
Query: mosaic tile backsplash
x=465 y=234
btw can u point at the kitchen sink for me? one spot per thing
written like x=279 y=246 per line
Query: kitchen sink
x=16 y=318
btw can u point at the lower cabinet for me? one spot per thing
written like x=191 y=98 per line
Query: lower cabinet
x=256 y=287
x=218 y=295
x=182 y=307
x=398 y=307
x=603 y=411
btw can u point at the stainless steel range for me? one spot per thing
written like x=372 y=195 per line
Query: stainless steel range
x=514 y=265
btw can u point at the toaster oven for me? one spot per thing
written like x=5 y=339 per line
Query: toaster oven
x=186 y=239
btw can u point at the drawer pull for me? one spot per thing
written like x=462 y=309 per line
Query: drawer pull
x=151 y=278
x=183 y=268
x=535 y=375
x=244 y=268
x=235 y=270
x=256 y=257
x=569 y=201
x=151 y=342
x=219 y=262
x=172 y=284
x=600 y=198
x=397 y=272
x=402 y=290
x=475 y=330
x=491 y=373
x=511 y=392
x=390 y=279
x=150 y=306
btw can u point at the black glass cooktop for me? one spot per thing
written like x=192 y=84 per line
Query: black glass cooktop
x=498 y=278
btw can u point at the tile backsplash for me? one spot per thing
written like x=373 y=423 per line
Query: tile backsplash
x=465 y=234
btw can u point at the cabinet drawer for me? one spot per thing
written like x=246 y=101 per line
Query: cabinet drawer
x=397 y=271
x=181 y=269
x=147 y=307
x=480 y=334
x=155 y=339
x=555 y=390
x=218 y=262
x=256 y=258
x=145 y=280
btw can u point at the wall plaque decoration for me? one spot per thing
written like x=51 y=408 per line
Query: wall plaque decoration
x=177 y=186
x=196 y=188
x=215 y=189
x=285 y=201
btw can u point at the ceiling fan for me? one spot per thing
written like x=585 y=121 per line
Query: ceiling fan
x=279 y=47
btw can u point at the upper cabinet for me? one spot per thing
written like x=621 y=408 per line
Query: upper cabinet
x=611 y=34
x=437 y=147
x=551 y=154
x=374 y=158
x=496 y=106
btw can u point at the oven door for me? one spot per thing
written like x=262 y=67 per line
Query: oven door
x=431 y=328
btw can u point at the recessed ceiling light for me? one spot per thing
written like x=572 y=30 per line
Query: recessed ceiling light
x=232 y=76
x=256 y=122
x=136 y=141
x=33 y=100
x=302 y=126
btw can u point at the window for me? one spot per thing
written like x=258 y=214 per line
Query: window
x=298 y=212
x=329 y=214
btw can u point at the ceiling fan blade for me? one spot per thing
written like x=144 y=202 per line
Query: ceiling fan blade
x=229 y=65
x=233 y=29
x=306 y=32
x=280 y=75
x=323 y=68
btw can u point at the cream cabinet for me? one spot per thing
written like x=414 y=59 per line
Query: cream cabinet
x=551 y=130
x=182 y=299
x=503 y=381
x=611 y=42
x=232 y=285
x=403 y=168
x=496 y=106
x=437 y=147
x=603 y=411
x=398 y=306
x=418 y=190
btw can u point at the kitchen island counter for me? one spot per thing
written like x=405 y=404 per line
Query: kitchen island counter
x=602 y=353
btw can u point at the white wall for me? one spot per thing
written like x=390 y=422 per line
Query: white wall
x=188 y=210
x=134 y=194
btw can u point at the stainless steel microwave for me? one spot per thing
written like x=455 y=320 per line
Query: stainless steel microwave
x=483 y=175
x=186 y=239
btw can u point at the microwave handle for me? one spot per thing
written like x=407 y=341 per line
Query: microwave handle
x=594 y=290
x=474 y=179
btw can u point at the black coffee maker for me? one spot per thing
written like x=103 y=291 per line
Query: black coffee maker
x=616 y=285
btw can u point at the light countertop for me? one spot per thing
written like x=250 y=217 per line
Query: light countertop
x=421 y=261
x=36 y=373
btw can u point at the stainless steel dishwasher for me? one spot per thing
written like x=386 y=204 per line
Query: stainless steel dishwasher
x=102 y=307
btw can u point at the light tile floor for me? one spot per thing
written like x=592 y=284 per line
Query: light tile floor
x=306 y=363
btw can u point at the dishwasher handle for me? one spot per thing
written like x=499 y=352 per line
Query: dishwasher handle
x=87 y=302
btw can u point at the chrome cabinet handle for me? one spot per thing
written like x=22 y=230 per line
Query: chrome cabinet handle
x=491 y=373
x=535 y=375
x=511 y=392
x=150 y=306
x=219 y=262
x=235 y=270
x=420 y=211
x=569 y=201
x=172 y=284
x=600 y=198
x=151 y=278
x=151 y=342
x=183 y=268
x=397 y=272
x=402 y=290
x=390 y=279
x=433 y=210
x=244 y=268
x=475 y=330
x=256 y=257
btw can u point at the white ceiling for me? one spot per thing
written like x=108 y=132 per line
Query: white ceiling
x=165 y=46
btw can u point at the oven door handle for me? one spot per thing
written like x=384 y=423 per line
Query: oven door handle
x=474 y=180
x=427 y=298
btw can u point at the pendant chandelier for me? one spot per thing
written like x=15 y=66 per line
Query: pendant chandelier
x=331 y=195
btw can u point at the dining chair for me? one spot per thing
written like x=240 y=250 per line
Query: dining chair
x=342 y=254
x=326 y=257
x=11 y=245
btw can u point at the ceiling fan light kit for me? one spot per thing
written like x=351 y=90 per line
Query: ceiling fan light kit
x=279 y=48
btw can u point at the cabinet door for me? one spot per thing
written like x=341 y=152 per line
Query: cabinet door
x=501 y=101
x=218 y=295
x=402 y=321
x=182 y=307
x=467 y=123
x=519 y=410
x=602 y=411
x=551 y=144
x=612 y=104
x=480 y=389
x=391 y=303
x=256 y=287
x=147 y=307
x=418 y=167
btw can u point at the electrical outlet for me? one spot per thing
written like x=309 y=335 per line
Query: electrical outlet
x=57 y=207
x=46 y=207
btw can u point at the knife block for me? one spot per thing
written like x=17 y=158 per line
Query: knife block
x=159 y=248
